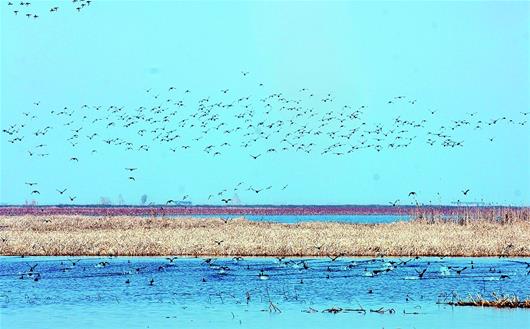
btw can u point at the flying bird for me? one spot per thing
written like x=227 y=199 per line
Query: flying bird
x=421 y=273
x=334 y=258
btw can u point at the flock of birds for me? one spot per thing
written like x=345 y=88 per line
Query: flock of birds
x=259 y=124
x=369 y=268
x=27 y=9
x=241 y=277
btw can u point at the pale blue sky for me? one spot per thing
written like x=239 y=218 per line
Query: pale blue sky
x=452 y=57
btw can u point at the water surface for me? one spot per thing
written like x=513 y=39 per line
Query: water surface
x=201 y=293
x=291 y=219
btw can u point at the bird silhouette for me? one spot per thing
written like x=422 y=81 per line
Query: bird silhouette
x=421 y=273
x=32 y=268
x=459 y=271
x=263 y=276
x=335 y=257
x=74 y=262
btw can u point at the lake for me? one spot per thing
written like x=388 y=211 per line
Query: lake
x=89 y=292
x=291 y=219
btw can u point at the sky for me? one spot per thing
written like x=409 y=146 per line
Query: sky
x=462 y=60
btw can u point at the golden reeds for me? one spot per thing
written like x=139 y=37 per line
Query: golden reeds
x=470 y=215
x=141 y=236
x=503 y=301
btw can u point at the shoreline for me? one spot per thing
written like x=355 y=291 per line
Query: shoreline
x=260 y=210
x=250 y=257
x=213 y=237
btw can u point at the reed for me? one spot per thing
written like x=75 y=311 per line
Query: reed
x=470 y=215
x=502 y=301
x=150 y=236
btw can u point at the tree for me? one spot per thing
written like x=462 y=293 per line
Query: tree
x=104 y=201
x=32 y=202
x=121 y=201
x=235 y=200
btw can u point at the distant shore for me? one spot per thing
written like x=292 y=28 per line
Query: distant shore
x=149 y=236
x=254 y=210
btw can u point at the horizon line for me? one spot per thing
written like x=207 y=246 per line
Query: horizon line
x=454 y=204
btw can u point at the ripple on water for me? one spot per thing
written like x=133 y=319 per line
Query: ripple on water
x=256 y=292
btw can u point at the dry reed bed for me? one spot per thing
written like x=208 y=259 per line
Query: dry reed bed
x=497 y=302
x=139 y=236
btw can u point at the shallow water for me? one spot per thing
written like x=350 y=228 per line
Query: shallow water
x=291 y=219
x=190 y=292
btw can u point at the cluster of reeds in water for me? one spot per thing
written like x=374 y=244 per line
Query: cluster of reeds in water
x=471 y=215
x=502 y=301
